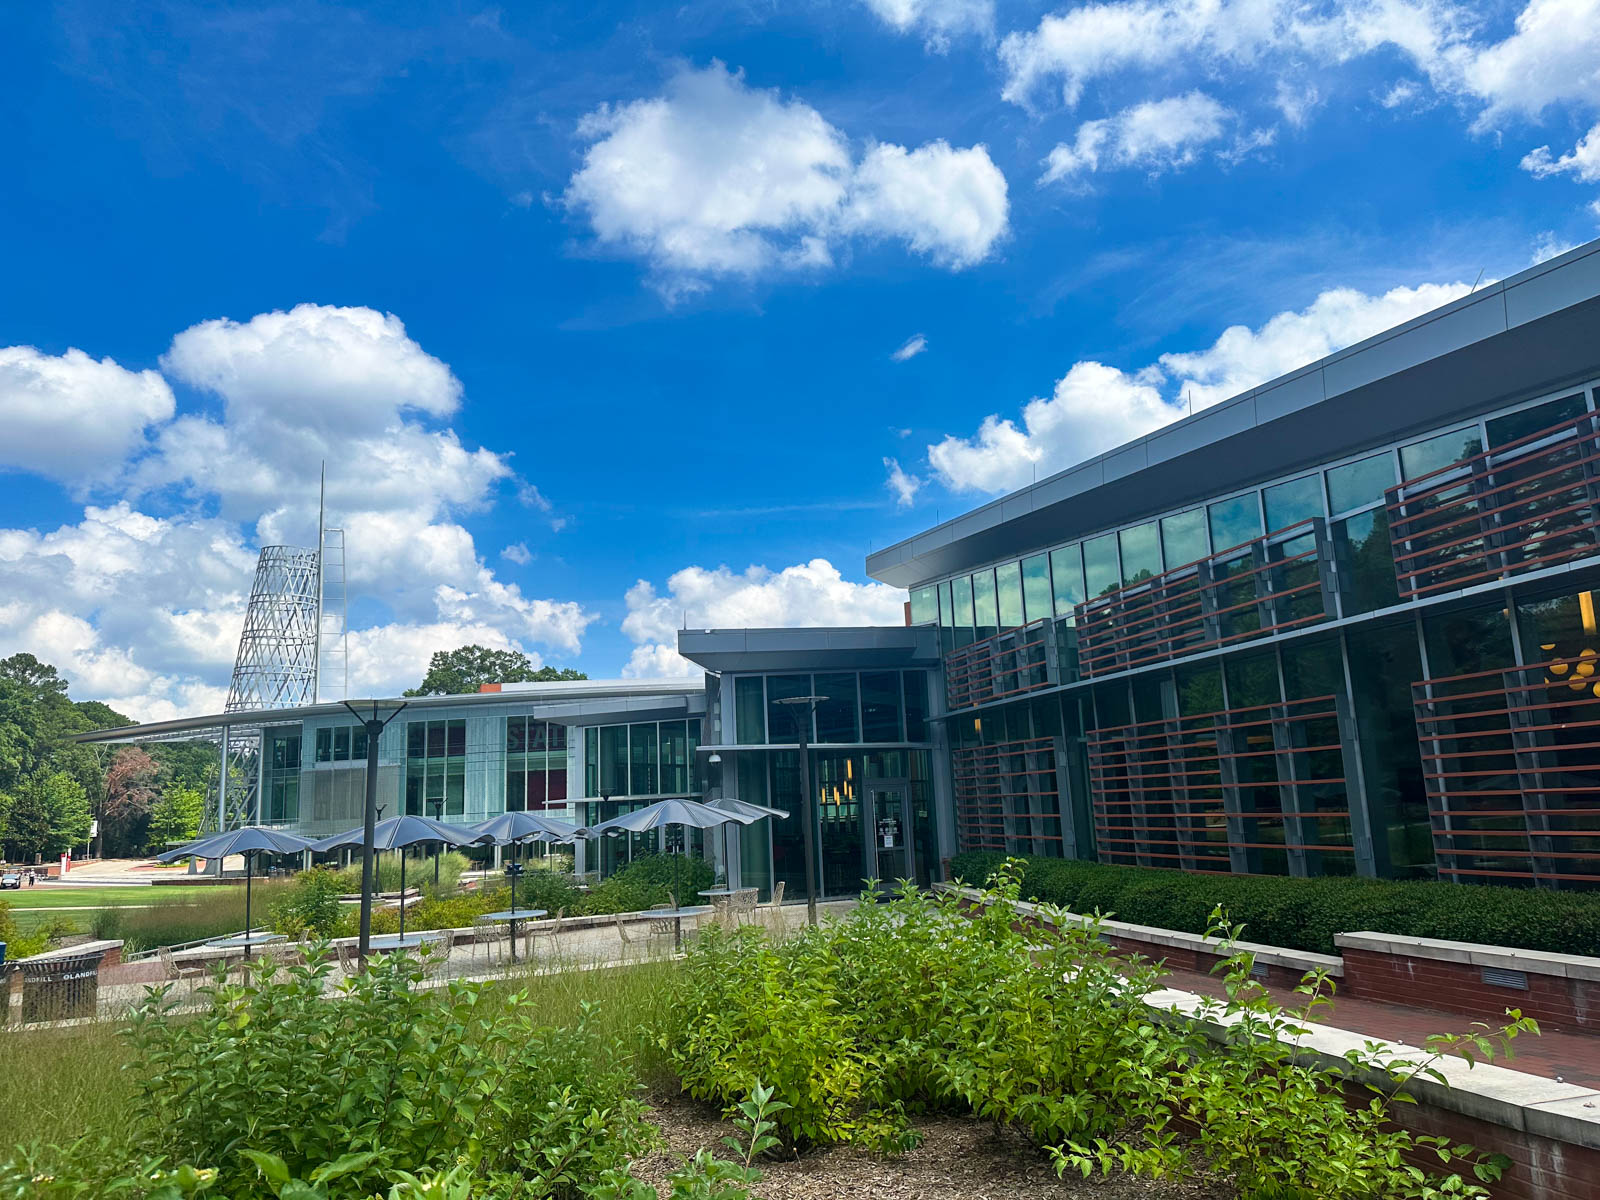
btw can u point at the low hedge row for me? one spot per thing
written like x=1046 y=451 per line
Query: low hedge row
x=1304 y=914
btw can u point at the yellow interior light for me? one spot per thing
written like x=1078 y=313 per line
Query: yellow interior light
x=1577 y=685
x=1560 y=668
x=849 y=768
x=1586 y=611
x=1585 y=668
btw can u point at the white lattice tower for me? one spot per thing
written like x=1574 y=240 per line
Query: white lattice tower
x=276 y=666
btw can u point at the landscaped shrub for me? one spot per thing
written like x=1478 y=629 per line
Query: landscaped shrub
x=647 y=881
x=310 y=905
x=276 y=1089
x=19 y=944
x=912 y=1005
x=1304 y=914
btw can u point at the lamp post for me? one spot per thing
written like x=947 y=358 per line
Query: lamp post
x=437 y=804
x=803 y=709
x=374 y=725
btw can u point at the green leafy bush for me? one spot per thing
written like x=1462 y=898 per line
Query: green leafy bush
x=913 y=1005
x=310 y=905
x=273 y=1088
x=649 y=880
x=1304 y=914
x=19 y=944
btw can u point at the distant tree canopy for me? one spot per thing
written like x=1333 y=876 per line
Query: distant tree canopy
x=457 y=672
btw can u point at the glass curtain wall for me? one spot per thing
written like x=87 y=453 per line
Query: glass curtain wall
x=436 y=768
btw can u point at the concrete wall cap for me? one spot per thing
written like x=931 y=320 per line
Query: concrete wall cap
x=1535 y=962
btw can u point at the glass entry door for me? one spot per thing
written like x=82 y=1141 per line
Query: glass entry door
x=889 y=829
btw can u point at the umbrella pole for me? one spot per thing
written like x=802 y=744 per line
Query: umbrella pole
x=402 y=893
x=247 y=904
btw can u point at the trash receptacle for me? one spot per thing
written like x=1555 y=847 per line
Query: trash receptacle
x=60 y=986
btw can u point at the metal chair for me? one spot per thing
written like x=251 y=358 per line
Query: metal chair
x=549 y=930
x=173 y=971
x=489 y=939
x=774 y=908
x=349 y=960
x=742 y=906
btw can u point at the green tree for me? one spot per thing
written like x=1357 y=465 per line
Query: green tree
x=457 y=672
x=175 y=817
x=48 y=814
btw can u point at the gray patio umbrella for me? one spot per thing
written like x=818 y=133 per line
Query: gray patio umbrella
x=690 y=814
x=398 y=833
x=249 y=840
x=743 y=809
x=514 y=828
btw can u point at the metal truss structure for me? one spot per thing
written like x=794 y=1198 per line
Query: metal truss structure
x=276 y=666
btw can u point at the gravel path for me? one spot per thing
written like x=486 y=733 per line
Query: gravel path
x=959 y=1159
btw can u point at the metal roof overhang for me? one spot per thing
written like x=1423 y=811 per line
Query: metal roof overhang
x=863 y=647
x=669 y=696
x=1533 y=332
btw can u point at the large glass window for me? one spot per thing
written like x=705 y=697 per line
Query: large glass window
x=962 y=586
x=985 y=612
x=1036 y=587
x=1008 y=586
x=1513 y=427
x=675 y=757
x=1466 y=641
x=613 y=760
x=324 y=746
x=1066 y=580
x=591 y=761
x=642 y=752
x=924 y=605
x=1141 y=552
x=781 y=717
x=916 y=706
x=1366 y=560
x=947 y=617
x=1360 y=483
x=1234 y=522
x=1183 y=537
x=1383 y=664
x=750 y=704
x=880 y=706
x=1292 y=502
x=441 y=774
x=1422 y=458
x=836 y=716
x=1100 y=570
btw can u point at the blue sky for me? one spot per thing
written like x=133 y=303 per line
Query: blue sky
x=594 y=310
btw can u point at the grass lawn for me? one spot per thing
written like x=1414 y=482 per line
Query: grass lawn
x=45 y=902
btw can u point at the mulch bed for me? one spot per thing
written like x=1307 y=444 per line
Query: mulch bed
x=960 y=1159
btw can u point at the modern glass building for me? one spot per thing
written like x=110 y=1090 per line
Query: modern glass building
x=1342 y=624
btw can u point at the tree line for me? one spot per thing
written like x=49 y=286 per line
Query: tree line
x=52 y=789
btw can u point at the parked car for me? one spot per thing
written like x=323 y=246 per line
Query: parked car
x=11 y=879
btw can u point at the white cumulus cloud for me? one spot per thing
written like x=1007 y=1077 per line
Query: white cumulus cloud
x=144 y=610
x=812 y=593
x=71 y=418
x=1095 y=407
x=936 y=20
x=1155 y=136
x=715 y=178
x=1582 y=162
x=903 y=486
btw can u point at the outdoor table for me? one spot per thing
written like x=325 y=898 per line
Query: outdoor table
x=389 y=942
x=719 y=901
x=246 y=941
x=521 y=914
x=207 y=953
x=676 y=916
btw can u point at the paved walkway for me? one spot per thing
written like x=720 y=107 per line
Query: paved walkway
x=1568 y=1055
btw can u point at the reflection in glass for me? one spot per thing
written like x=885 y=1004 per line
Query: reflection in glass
x=750 y=710
x=985 y=612
x=1141 y=552
x=781 y=718
x=1036 y=587
x=880 y=706
x=1439 y=452
x=1292 y=502
x=1234 y=522
x=1100 y=569
x=1008 y=585
x=1359 y=483
x=1183 y=537
x=1513 y=427
x=1366 y=559
x=924 y=605
x=1066 y=576
x=836 y=716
